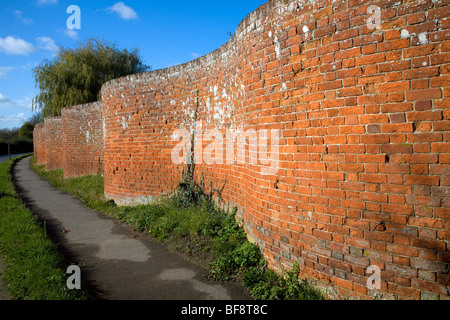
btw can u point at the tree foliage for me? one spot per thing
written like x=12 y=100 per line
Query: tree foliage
x=35 y=119
x=75 y=76
x=26 y=131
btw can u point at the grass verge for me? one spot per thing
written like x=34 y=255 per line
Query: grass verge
x=35 y=270
x=190 y=222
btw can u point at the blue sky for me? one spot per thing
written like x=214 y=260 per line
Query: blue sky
x=166 y=32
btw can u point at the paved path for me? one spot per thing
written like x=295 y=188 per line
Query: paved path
x=117 y=266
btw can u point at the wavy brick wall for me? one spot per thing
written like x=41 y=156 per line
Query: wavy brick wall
x=364 y=154
x=38 y=143
x=82 y=134
x=53 y=142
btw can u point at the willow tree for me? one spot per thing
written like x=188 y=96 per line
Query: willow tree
x=75 y=76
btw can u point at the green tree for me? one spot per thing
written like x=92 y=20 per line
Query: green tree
x=26 y=131
x=75 y=76
x=35 y=119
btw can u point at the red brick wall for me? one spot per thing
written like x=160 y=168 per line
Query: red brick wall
x=38 y=146
x=53 y=143
x=82 y=134
x=364 y=163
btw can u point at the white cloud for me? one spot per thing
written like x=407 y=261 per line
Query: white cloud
x=123 y=11
x=46 y=43
x=13 y=112
x=71 y=34
x=195 y=55
x=15 y=46
x=19 y=15
x=25 y=104
x=12 y=120
x=4 y=99
x=46 y=2
x=4 y=71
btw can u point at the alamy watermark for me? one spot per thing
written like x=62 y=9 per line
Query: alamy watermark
x=374 y=21
x=233 y=147
x=74 y=280
x=74 y=21
x=374 y=281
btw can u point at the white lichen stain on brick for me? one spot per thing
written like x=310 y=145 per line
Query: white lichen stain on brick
x=308 y=35
x=277 y=47
x=404 y=34
x=125 y=122
x=292 y=6
x=423 y=38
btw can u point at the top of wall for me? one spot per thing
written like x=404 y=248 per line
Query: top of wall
x=52 y=119
x=97 y=104
x=253 y=21
x=83 y=106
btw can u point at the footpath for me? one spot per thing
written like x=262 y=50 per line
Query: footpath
x=116 y=265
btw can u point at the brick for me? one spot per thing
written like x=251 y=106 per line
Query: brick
x=420 y=158
x=426 y=222
x=397 y=208
x=423 y=105
x=440 y=147
x=424 y=116
x=397 y=127
x=421 y=73
x=416 y=18
x=402 y=250
x=375 y=139
x=405 y=292
x=422 y=180
x=439 y=59
x=442 y=213
x=425 y=137
x=440 y=82
x=371 y=59
x=346 y=92
x=424 y=94
x=349 y=53
x=420 y=51
x=394 y=87
x=398 y=118
x=430 y=287
x=429 y=244
x=393 y=45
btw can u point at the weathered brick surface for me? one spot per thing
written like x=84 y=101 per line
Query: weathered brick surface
x=38 y=143
x=82 y=134
x=53 y=143
x=363 y=172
